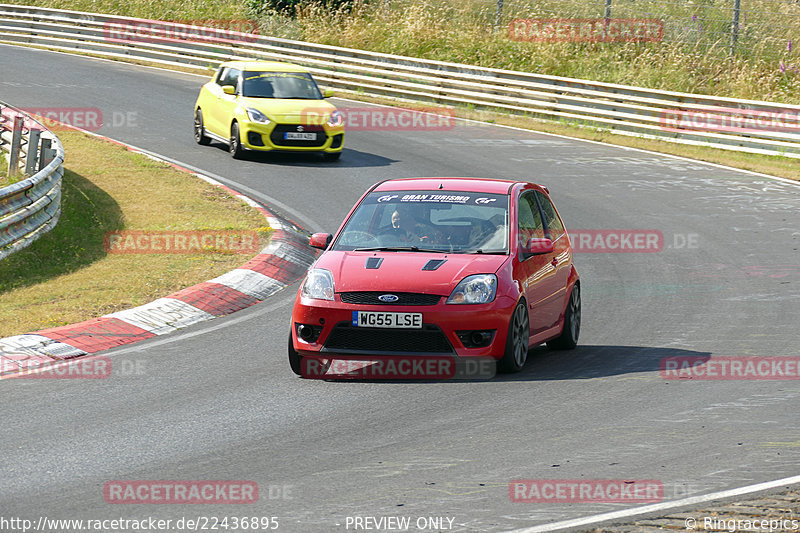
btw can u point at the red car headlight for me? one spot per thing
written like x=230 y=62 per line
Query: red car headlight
x=318 y=284
x=475 y=289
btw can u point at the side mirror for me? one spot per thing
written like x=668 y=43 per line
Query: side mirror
x=229 y=89
x=320 y=240
x=328 y=93
x=536 y=246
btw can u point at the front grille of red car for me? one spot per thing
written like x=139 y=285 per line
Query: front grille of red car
x=403 y=298
x=346 y=338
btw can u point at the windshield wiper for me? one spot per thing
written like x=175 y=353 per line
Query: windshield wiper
x=399 y=249
x=282 y=97
x=482 y=251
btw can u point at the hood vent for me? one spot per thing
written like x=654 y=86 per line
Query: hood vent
x=373 y=263
x=433 y=264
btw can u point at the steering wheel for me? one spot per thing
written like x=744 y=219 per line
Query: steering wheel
x=402 y=235
x=486 y=230
x=359 y=239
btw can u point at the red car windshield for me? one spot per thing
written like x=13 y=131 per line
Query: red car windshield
x=440 y=221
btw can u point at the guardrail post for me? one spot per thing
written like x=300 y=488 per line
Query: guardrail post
x=16 y=144
x=46 y=154
x=607 y=14
x=737 y=7
x=33 y=152
x=30 y=208
x=498 y=15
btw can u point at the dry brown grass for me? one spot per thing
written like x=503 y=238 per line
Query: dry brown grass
x=692 y=59
x=66 y=276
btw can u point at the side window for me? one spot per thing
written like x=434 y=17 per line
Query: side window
x=221 y=75
x=230 y=77
x=529 y=220
x=554 y=225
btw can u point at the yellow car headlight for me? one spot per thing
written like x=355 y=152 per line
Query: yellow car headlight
x=257 y=116
x=336 y=119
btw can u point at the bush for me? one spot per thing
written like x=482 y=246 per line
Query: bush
x=289 y=7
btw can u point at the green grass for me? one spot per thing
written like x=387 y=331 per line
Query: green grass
x=5 y=178
x=67 y=276
x=449 y=31
x=4 y=170
x=692 y=58
x=184 y=10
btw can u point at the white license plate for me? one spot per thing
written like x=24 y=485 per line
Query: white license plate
x=299 y=136
x=376 y=319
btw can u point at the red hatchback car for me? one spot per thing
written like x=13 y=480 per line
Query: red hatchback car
x=457 y=267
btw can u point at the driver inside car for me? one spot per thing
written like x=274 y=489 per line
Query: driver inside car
x=401 y=229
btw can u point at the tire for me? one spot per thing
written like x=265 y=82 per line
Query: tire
x=331 y=156
x=235 y=142
x=572 y=323
x=519 y=329
x=295 y=359
x=200 y=136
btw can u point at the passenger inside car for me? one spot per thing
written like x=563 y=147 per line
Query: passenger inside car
x=490 y=234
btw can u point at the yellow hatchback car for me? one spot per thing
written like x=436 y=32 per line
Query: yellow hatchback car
x=267 y=106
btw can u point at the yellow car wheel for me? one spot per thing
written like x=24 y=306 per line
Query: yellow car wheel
x=235 y=142
x=200 y=136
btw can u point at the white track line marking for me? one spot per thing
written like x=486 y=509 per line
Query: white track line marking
x=656 y=507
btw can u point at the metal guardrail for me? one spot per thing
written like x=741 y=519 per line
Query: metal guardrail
x=728 y=123
x=30 y=207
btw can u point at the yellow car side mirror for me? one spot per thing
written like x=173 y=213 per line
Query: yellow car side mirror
x=328 y=93
x=229 y=89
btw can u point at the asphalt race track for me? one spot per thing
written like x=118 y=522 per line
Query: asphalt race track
x=218 y=401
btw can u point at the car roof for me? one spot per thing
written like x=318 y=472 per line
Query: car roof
x=482 y=185
x=273 y=66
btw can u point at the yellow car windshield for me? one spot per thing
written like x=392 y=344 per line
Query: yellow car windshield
x=293 y=85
